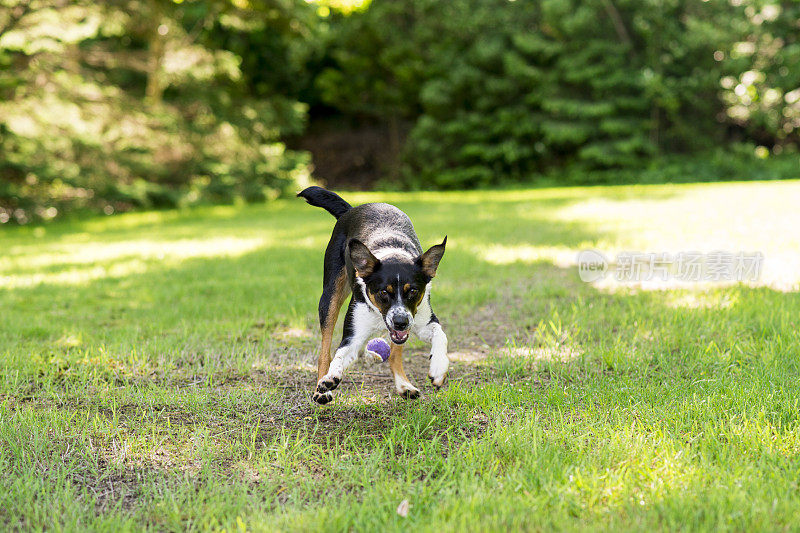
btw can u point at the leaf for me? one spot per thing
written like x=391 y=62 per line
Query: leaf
x=402 y=509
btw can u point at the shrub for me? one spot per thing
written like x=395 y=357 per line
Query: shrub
x=115 y=105
x=500 y=91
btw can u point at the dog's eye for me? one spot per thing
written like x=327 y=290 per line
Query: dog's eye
x=383 y=294
x=412 y=292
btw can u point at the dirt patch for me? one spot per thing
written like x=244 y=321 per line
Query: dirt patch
x=119 y=471
x=363 y=405
x=112 y=487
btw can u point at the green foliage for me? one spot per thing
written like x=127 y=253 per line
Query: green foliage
x=734 y=162
x=762 y=92
x=132 y=103
x=121 y=104
x=377 y=69
x=590 y=86
x=499 y=91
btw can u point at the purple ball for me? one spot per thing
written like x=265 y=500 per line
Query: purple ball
x=378 y=348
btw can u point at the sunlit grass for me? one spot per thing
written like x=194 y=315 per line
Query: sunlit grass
x=155 y=370
x=83 y=262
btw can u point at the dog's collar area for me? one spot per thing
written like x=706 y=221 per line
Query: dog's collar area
x=363 y=286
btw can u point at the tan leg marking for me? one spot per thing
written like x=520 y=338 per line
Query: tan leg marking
x=335 y=305
x=402 y=385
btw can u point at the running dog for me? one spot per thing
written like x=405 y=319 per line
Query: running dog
x=374 y=253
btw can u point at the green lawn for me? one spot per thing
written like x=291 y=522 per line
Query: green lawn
x=156 y=371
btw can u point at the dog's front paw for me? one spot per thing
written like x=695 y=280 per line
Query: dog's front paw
x=322 y=397
x=411 y=394
x=407 y=391
x=438 y=382
x=323 y=393
x=438 y=370
x=328 y=383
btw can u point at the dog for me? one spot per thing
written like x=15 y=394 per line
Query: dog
x=375 y=255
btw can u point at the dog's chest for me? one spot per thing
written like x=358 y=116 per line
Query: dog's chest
x=366 y=320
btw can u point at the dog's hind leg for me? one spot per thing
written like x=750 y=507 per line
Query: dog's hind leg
x=330 y=303
x=359 y=323
x=402 y=385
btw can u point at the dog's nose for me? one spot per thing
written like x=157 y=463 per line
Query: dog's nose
x=400 y=322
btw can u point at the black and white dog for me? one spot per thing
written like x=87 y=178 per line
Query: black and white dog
x=374 y=253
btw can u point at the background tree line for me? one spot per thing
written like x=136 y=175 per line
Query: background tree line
x=119 y=104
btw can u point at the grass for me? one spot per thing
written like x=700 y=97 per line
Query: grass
x=156 y=368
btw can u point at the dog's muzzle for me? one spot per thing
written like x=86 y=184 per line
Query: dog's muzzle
x=398 y=321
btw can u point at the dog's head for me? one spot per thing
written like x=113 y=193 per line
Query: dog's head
x=395 y=286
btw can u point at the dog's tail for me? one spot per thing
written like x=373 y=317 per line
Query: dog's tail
x=329 y=201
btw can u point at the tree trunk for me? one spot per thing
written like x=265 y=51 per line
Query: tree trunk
x=394 y=147
x=155 y=85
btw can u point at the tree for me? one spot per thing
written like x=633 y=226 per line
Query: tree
x=498 y=90
x=124 y=103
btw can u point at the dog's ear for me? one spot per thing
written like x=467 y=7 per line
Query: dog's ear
x=363 y=261
x=429 y=261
